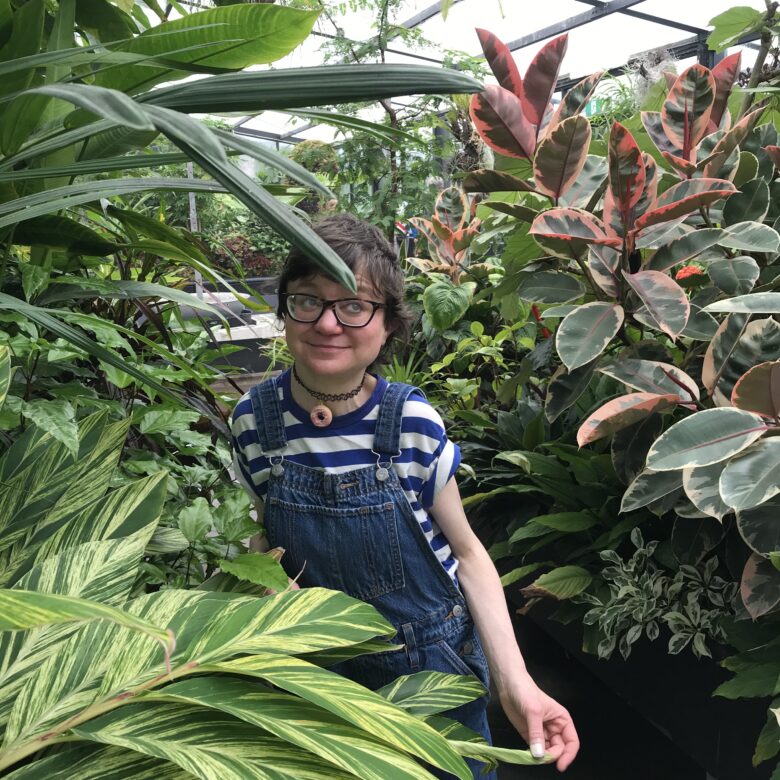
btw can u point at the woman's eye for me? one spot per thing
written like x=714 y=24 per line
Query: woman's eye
x=307 y=301
x=354 y=307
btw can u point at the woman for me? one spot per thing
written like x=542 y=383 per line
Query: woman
x=354 y=478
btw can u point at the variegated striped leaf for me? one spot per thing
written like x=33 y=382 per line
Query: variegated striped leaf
x=686 y=111
x=489 y=180
x=651 y=376
x=95 y=762
x=701 y=487
x=350 y=701
x=540 y=79
x=5 y=373
x=567 y=232
x=649 y=486
x=561 y=155
x=724 y=73
x=206 y=743
x=575 y=99
x=678 y=250
x=488 y=753
x=429 y=693
x=651 y=121
x=585 y=332
x=627 y=174
x=501 y=62
x=752 y=477
x=665 y=301
x=302 y=724
x=336 y=655
x=712 y=164
x=498 y=116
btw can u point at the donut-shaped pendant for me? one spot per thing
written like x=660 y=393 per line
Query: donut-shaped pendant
x=321 y=416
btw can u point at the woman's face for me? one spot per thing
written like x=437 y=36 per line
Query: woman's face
x=326 y=347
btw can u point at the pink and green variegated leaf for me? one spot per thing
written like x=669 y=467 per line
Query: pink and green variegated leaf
x=758 y=390
x=575 y=99
x=436 y=246
x=567 y=232
x=678 y=250
x=452 y=208
x=604 y=264
x=711 y=165
x=501 y=62
x=650 y=192
x=684 y=167
x=760 y=586
x=461 y=239
x=725 y=74
x=622 y=412
x=498 y=116
x=585 y=332
x=774 y=154
x=440 y=229
x=665 y=300
x=670 y=77
x=488 y=180
x=687 y=109
x=683 y=198
x=612 y=216
x=541 y=77
x=651 y=376
x=651 y=121
x=626 y=168
x=561 y=156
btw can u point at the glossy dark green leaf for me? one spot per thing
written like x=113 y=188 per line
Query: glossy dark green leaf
x=750 y=204
x=734 y=275
x=550 y=287
x=759 y=528
x=630 y=446
x=693 y=539
x=565 y=389
x=686 y=247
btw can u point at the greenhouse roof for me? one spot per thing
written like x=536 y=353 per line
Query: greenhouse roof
x=602 y=36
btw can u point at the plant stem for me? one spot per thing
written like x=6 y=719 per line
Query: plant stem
x=758 y=67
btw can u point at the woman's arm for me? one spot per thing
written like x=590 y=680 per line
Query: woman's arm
x=542 y=721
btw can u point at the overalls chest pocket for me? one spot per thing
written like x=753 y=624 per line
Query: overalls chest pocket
x=355 y=549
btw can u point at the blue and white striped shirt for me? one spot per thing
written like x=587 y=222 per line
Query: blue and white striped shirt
x=428 y=459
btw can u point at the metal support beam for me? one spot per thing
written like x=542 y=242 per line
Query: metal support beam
x=649 y=18
x=573 y=21
x=424 y=15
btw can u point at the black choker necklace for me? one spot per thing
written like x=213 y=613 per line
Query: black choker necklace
x=329 y=396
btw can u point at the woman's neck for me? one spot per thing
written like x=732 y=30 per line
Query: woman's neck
x=301 y=384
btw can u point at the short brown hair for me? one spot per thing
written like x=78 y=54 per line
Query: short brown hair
x=364 y=249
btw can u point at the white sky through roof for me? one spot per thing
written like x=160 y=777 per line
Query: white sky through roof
x=605 y=43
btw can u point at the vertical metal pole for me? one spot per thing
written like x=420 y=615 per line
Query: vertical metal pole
x=194 y=229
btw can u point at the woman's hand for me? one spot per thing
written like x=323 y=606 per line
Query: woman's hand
x=543 y=723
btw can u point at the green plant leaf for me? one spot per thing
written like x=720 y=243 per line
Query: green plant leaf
x=758 y=390
x=5 y=372
x=732 y=25
x=706 y=437
x=561 y=583
x=755 y=303
x=429 y=693
x=753 y=476
x=550 y=287
x=621 y=412
x=195 y=521
x=445 y=303
x=585 y=333
x=750 y=204
x=630 y=446
x=665 y=301
x=684 y=248
x=758 y=526
x=760 y=587
x=57 y=418
x=701 y=485
x=258 y=568
x=650 y=486
x=565 y=388
x=567 y=522
x=561 y=155
x=751 y=237
x=734 y=275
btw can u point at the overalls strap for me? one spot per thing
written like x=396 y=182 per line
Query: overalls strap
x=268 y=415
x=387 y=437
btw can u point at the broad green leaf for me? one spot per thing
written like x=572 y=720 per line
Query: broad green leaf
x=57 y=418
x=561 y=583
x=521 y=572
x=206 y=743
x=299 y=723
x=195 y=520
x=752 y=477
x=550 y=287
x=61 y=232
x=759 y=527
x=336 y=694
x=701 y=325
x=732 y=25
x=758 y=390
x=5 y=372
x=568 y=522
x=585 y=333
x=488 y=753
x=751 y=237
x=391 y=135
x=240 y=35
x=429 y=693
x=701 y=485
x=565 y=388
x=561 y=155
x=445 y=303
x=760 y=587
x=630 y=446
x=756 y=680
x=750 y=204
x=683 y=248
x=650 y=486
x=706 y=437
x=755 y=303
x=666 y=302
x=734 y=275
x=651 y=376
x=257 y=568
x=621 y=412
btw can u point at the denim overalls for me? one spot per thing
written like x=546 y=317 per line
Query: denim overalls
x=357 y=533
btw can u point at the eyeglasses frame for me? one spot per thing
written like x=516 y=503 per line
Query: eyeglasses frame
x=331 y=304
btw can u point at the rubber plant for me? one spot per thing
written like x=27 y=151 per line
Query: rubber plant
x=664 y=269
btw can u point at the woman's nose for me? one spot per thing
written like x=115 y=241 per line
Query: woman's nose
x=328 y=321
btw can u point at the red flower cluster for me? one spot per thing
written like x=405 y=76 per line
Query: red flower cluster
x=687 y=271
